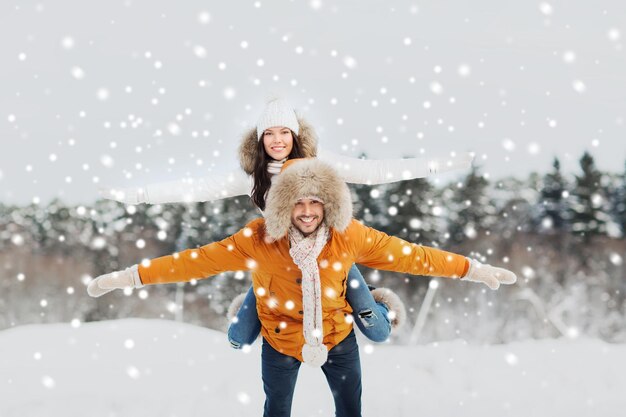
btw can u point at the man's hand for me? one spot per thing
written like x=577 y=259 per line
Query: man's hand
x=128 y=278
x=489 y=275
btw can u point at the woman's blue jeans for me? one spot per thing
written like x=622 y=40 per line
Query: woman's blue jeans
x=370 y=317
x=342 y=371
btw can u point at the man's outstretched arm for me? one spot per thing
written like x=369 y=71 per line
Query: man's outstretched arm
x=184 y=266
x=376 y=249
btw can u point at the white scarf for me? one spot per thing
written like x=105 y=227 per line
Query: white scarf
x=304 y=252
x=274 y=166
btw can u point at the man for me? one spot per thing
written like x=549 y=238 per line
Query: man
x=299 y=256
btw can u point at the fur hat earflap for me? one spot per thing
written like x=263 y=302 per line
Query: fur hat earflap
x=397 y=311
x=248 y=148
x=302 y=178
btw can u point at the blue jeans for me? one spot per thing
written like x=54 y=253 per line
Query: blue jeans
x=342 y=371
x=246 y=327
x=370 y=317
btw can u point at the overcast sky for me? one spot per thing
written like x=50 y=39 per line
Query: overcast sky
x=121 y=93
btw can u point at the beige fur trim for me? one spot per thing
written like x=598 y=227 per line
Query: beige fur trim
x=397 y=311
x=234 y=306
x=307 y=139
x=304 y=178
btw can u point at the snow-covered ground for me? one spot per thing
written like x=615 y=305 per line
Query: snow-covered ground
x=160 y=368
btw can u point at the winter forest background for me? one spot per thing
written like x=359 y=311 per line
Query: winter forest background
x=563 y=236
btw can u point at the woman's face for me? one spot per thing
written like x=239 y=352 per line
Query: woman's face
x=278 y=142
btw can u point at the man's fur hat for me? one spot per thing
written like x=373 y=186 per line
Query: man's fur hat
x=301 y=178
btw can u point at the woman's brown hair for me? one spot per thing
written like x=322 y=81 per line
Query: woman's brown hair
x=262 y=178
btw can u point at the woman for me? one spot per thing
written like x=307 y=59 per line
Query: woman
x=280 y=135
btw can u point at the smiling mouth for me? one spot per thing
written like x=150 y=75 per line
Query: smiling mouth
x=278 y=148
x=307 y=220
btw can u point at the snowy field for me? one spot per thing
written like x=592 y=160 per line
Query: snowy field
x=160 y=368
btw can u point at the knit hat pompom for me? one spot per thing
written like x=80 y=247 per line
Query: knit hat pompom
x=315 y=356
x=277 y=112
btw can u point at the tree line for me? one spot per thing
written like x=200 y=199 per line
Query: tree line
x=563 y=235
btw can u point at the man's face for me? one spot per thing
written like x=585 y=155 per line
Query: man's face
x=307 y=215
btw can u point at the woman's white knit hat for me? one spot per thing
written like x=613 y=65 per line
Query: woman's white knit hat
x=277 y=112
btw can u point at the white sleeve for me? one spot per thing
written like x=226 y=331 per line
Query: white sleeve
x=187 y=190
x=381 y=171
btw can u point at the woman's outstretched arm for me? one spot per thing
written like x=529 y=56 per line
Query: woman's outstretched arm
x=382 y=171
x=210 y=188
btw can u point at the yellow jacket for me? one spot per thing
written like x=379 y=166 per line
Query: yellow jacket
x=276 y=279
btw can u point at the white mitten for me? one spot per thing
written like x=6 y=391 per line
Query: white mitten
x=128 y=278
x=125 y=195
x=489 y=275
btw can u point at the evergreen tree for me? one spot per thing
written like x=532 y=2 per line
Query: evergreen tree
x=618 y=203
x=515 y=204
x=589 y=201
x=371 y=203
x=470 y=208
x=410 y=211
x=553 y=215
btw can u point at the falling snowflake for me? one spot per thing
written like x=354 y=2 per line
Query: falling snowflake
x=511 y=359
x=98 y=243
x=528 y=272
x=48 y=382
x=243 y=398
x=174 y=129
x=200 y=51
x=615 y=258
x=204 y=17
x=229 y=93
x=17 y=240
x=613 y=34
x=470 y=232
x=546 y=8
x=77 y=73
x=103 y=94
x=579 y=86
x=436 y=88
x=508 y=145
x=316 y=4
x=415 y=223
x=67 y=42
x=534 y=148
x=350 y=62
x=464 y=70
x=133 y=372
x=569 y=56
